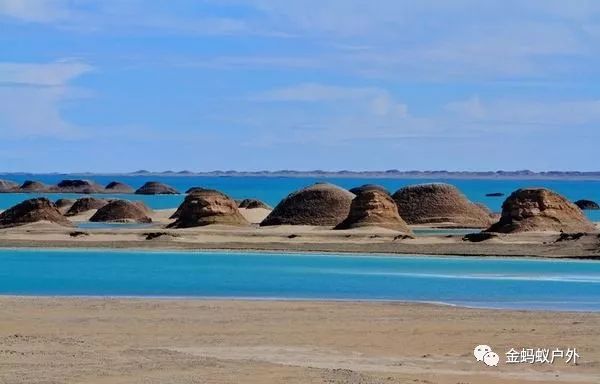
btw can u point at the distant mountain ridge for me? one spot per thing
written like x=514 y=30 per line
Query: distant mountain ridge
x=391 y=173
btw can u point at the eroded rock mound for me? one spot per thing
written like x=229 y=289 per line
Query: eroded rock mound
x=31 y=211
x=8 y=186
x=197 y=189
x=587 y=204
x=374 y=208
x=207 y=207
x=33 y=186
x=191 y=191
x=86 y=204
x=439 y=203
x=252 y=204
x=77 y=186
x=63 y=205
x=156 y=188
x=319 y=204
x=369 y=187
x=118 y=187
x=540 y=209
x=123 y=211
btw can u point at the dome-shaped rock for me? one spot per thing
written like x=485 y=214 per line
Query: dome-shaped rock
x=252 y=204
x=205 y=207
x=32 y=210
x=439 y=203
x=156 y=188
x=587 y=204
x=197 y=189
x=8 y=186
x=540 y=209
x=33 y=186
x=77 y=186
x=118 y=187
x=123 y=211
x=374 y=208
x=63 y=205
x=368 y=187
x=86 y=204
x=319 y=204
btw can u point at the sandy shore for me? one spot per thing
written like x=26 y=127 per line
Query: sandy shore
x=50 y=340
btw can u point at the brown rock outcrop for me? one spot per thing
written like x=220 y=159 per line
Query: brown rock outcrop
x=374 y=208
x=319 y=204
x=156 y=188
x=77 y=186
x=205 y=207
x=63 y=205
x=369 y=187
x=439 y=203
x=123 y=211
x=86 y=204
x=31 y=211
x=33 y=186
x=587 y=204
x=118 y=187
x=8 y=186
x=252 y=204
x=540 y=209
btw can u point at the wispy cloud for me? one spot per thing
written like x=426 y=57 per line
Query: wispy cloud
x=402 y=40
x=374 y=101
x=58 y=73
x=314 y=92
x=41 y=11
x=549 y=115
x=31 y=98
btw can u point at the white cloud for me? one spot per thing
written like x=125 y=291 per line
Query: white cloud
x=314 y=92
x=32 y=96
x=49 y=74
x=548 y=115
x=471 y=108
x=426 y=40
x=41 y=11
x=371 y=100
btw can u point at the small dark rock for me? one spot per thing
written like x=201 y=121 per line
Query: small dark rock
x=78 y=233
x=155 y=235
x=478 y=237
x=569 y=236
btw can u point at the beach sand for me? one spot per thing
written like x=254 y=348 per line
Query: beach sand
x=88 y=340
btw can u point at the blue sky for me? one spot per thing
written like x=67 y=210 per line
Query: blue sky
x=329 y=84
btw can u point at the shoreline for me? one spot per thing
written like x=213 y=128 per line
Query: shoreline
x=249 y=299
x=287 y=252
x=456 y=249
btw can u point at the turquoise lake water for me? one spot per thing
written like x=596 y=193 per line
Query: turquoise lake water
x=273 y=189
x=477 y=282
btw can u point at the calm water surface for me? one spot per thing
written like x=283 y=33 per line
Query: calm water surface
x=478 y=282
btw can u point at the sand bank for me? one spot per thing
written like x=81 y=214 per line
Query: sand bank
x=74 y=340
x=296 y=238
